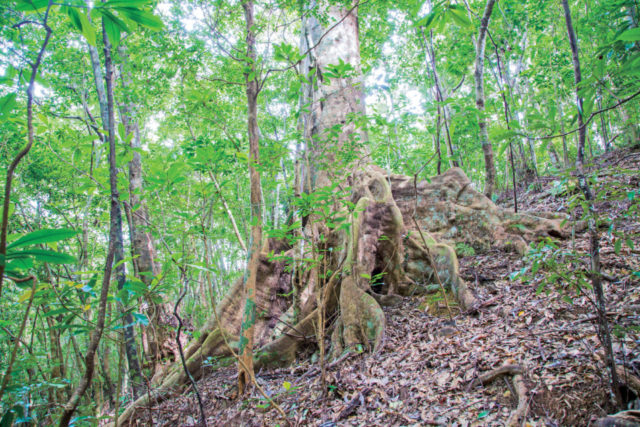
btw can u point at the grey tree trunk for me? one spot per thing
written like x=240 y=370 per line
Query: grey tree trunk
x=335 y=102
x=245 y=360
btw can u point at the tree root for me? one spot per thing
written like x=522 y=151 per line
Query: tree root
x=518 y=381
x=628 y=379
x=521 y=391
x=621 y=419
x=382 y=243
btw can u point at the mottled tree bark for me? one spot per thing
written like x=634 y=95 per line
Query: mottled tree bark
x=143 y=250
x=245 y=365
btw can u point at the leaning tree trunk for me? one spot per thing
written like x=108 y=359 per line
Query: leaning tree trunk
x=385 y=215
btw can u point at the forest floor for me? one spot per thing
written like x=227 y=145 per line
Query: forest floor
x=424 y=372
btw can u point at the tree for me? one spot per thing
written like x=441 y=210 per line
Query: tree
x=355 y=228
x=604 y=333
x=245 y=361
x=479 y=76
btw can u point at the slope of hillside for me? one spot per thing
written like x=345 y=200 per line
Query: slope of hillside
x=433 y=371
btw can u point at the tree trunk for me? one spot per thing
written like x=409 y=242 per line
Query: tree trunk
x=440 y=96
x=603 y=128
x=158 y=331
x=582 y=129
x=565 y=148
x=245 y=352
x=116 y=220
x=490 y=167
x=604 y=333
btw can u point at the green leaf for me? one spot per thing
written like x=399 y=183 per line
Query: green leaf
x=87 y=29
x=141 y=318
x=483 y=414
x=459 y=17
x=429 y=21
x=32 y=5
x=631 y=35
x=7 y=103
x=44 y=255
x=286 y=385
x=113 y=25
x=617 y=246
x=142 y=17
x=56 y=312
x=81 y=22
x=20 y=264
x=43 y=236
x=127 y=3
x=629 y=243
x=9 y=416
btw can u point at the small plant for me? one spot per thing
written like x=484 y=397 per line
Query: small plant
x=463 y=249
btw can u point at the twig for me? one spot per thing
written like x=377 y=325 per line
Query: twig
x=353 y=403
x=14 y=164
x=521 y=391
x=492 y=375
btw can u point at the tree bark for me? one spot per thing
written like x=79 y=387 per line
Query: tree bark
x=577 y=74
x=142 y=243
x=490 y=167
x=135 y=373
x=440 y=96
x=245 y=362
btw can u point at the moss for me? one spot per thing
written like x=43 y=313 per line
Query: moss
x=434 y=303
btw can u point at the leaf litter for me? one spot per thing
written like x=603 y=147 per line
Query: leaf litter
x=426 y=371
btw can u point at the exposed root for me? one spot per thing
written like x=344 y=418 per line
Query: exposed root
x=621 y=419
x=362 y=321
x=521 y=392
x=353 y=404
x=491 y=376
x=518 y=382
x=628 y=379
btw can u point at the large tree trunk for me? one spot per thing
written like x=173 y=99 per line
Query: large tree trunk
x=245 y=360
x=116 y=219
